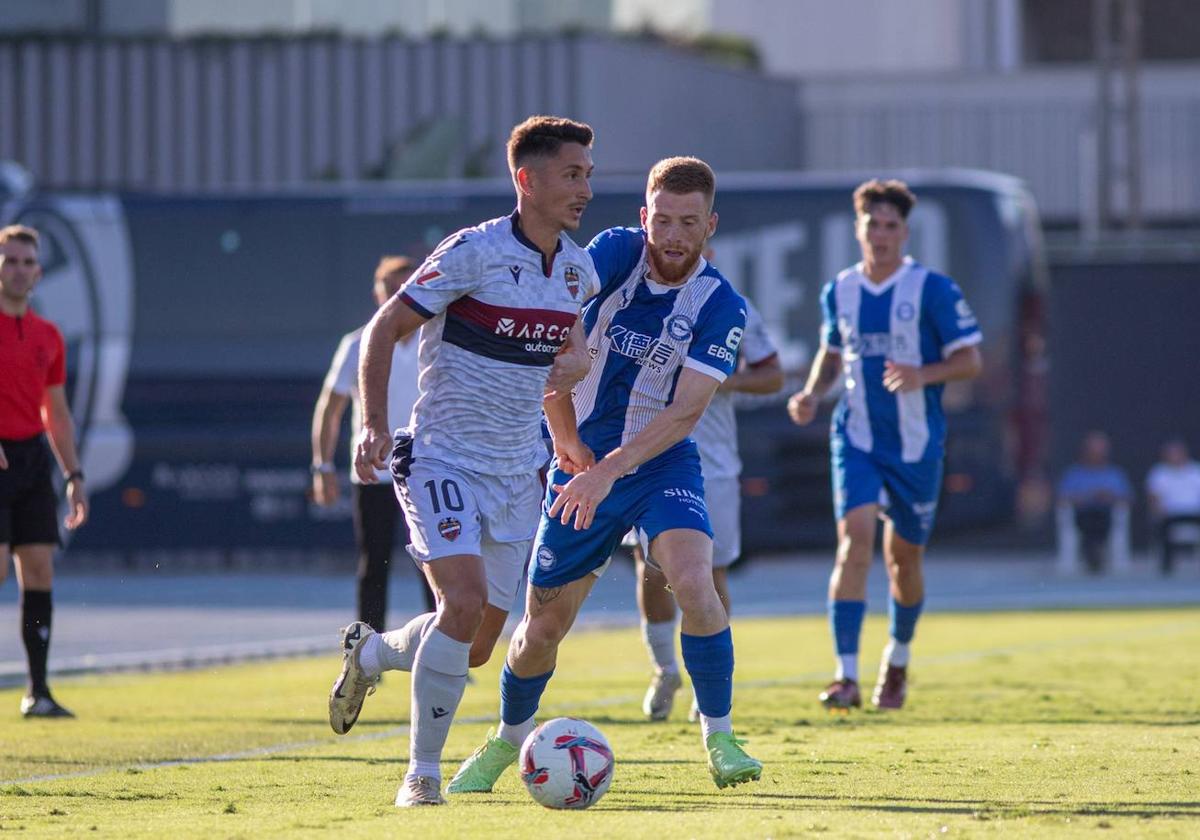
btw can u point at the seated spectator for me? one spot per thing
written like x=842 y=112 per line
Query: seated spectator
x=1094 y=497
x=1173 y=489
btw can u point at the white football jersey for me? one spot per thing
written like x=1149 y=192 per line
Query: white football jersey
x=499 y=312
x=402 y=387
x=716 y=432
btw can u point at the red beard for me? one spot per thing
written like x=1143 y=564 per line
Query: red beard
x=675 y=271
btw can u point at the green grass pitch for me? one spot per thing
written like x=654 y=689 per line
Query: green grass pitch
x=1054 y=724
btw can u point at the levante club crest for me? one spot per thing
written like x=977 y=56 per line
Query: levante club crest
x=571 y=276
x=450 y=528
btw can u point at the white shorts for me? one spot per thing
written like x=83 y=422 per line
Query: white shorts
x=452 y=511
x=723 y=497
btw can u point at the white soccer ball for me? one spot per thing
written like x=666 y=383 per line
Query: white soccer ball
x=566 y=763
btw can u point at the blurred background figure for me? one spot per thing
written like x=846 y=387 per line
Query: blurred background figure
x=376 y=511
x=1093 y=509
x=1173 y=493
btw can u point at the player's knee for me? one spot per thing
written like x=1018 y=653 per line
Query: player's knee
x=693 y=588
x=462 y=609
x=543 y=634
x=481 y=652
x=901 y=552
x=853 y=553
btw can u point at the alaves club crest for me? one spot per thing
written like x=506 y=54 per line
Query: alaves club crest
x=571 y=277
x=450 y=528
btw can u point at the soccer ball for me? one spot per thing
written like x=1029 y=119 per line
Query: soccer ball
x=566 y=763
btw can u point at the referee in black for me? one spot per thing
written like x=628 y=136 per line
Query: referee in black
x=33 y=407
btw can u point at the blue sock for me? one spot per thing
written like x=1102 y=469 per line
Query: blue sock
x=709 y=662
x=519 y=696
x=846 y=621
x=904 y=620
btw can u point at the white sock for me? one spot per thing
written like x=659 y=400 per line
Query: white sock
x=709 y=725
x=439 y=679
x=659 y=637
x=517 y=733
x=896 y=653
x=428 y=769
x=394 y=650
x=847 y=666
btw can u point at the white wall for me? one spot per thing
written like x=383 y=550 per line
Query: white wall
x=462 y=18
x=820 y=38
x=687 y=17
x=1032 y=124
x=823 y=38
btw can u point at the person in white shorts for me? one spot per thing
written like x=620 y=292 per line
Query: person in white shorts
x=376 y=513
x=495 y=303
x=759 y=372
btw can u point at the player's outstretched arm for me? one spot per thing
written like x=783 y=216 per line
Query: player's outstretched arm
x=571 y=364
x=573 y=455
x=765 y=377
x=826 y=368
x=963 y=363
x=580 y=496
x=326 y=422
x=60 y=428
x=392 y=321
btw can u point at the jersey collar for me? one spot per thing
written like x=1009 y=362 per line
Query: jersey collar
x=519 y=235
x=893 y=278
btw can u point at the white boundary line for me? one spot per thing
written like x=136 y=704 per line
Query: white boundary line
x=397 y=731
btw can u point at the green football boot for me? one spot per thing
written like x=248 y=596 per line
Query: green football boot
x=728 y=762
x=479 y=772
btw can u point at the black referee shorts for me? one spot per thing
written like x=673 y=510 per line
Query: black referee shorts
x=28 y=503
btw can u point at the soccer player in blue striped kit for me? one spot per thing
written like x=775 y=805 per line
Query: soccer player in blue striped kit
x=898 y=332
x=663 y=333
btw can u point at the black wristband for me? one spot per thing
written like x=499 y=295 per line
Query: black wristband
x=74 y=475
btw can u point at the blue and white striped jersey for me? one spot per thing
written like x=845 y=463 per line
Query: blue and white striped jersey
x=642 y=334
x=915 y=317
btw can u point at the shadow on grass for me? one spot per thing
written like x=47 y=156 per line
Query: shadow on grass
x=873 y=718
x=1037 y=808
x=752 y=798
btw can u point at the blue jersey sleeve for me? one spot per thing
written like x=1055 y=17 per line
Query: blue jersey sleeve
x=831 y=336
x=614 y=253
x=954 y=323
x=718 y=335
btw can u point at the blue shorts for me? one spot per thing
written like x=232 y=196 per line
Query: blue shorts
x=907 y=493
x=656 y=498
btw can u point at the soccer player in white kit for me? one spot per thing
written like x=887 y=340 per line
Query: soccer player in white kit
x=758 y=372
x=375 y=509
x=495 y=303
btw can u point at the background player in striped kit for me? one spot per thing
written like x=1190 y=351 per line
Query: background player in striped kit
x=758 y=372
x=376 y=513
x=495 y=304
x=899 y=332
x=664 y=333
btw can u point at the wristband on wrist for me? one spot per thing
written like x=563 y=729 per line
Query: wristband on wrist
x=318 y=469
x=74 y=475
